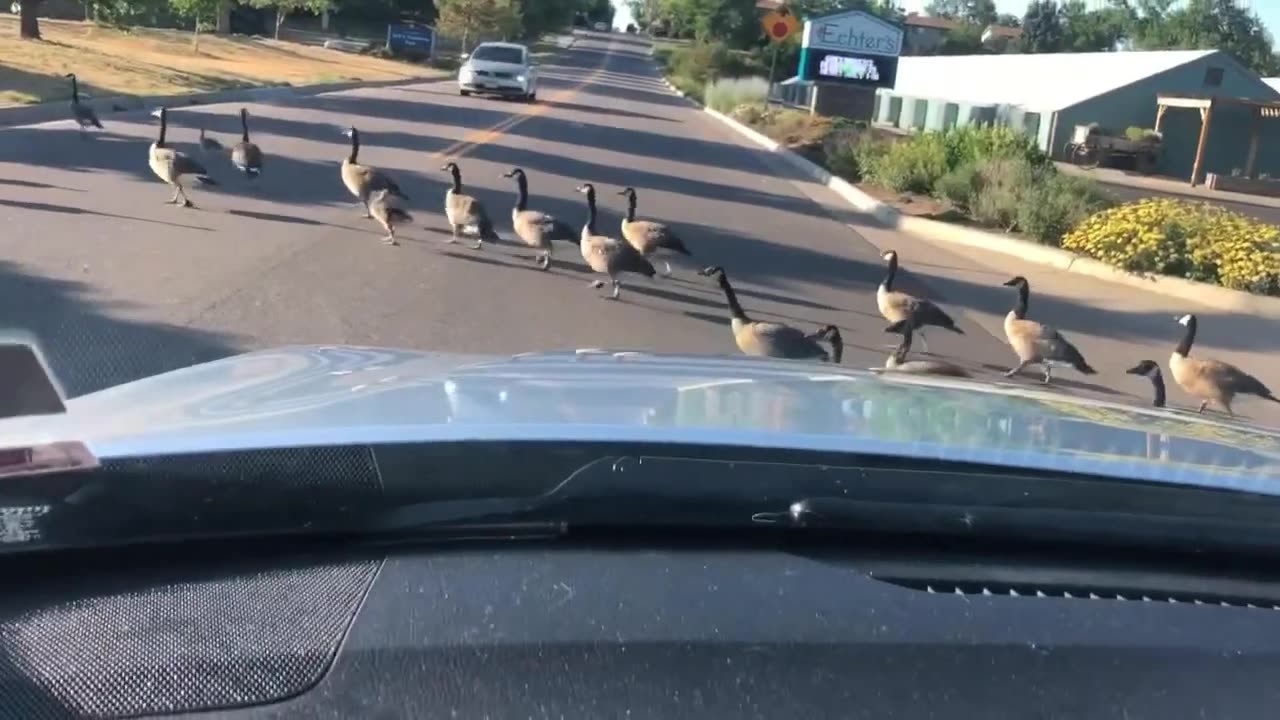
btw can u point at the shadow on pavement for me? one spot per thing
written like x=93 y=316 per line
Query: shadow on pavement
x=33 y=185
x=89 y=350
x=599 y=110
x=67 y=209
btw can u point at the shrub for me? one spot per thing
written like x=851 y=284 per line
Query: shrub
x=970 y=143
x=959 y=186
x=913 y=164
x=726 y=94
x=1141 y=134
x=1198 y=241
x=1001 y=184
x=1055 y=203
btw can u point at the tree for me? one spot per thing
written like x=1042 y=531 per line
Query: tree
x=1042 y=27
x=1086 y=30
x=472 y=18
x=285 y=7
x=204 y=13
x=980 y=12
x=29 y=23
x=964 y=40
x=1208 y=24
x=953 y=9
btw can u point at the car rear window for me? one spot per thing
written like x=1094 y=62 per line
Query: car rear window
x=495 y=53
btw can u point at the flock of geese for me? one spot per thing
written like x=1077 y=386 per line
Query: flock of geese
x=644 y=241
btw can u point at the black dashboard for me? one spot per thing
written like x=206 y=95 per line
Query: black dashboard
x=609 y=628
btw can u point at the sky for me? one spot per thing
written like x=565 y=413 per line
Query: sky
x=1267 y=10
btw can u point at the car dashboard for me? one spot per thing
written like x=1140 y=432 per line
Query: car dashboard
x=614 y=626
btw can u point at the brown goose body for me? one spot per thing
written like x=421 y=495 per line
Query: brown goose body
x=1209 y=380
x=534 y=228
x=83 y=114
x=896 y=306
x=245 y=155
x=385 y=208
x=1035 y=343
x=172 y=166
x=363 y=180
x=649 y=237
x=898 y=362
x=771 y=339
x=605 y=255
x=464 y=212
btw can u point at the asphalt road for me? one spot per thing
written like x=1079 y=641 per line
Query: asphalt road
x=118 y=285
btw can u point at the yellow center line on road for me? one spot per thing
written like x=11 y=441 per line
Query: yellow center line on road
x=477 y=138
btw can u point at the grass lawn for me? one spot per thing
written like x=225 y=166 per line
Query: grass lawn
x=146 y=61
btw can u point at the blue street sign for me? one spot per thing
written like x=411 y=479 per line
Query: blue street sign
x=418 y=38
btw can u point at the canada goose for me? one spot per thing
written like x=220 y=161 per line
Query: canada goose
x=172 y=165
x=84 y=115
x=464 y=212
x=385 y=209
x=210 y=145
x=607 y=255
x=648 y=236
x=362 y=180
x=1035 y=343
x=771 y=339
x=898 y=361
x=896 y=305
x=1213 y=380
x=246 y=156
x=1150 y=370
x=536 y=229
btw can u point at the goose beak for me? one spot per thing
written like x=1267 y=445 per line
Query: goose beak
x=1135 y=370
x=1010 y=283
x=622 y=192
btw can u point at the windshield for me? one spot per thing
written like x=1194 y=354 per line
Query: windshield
x=941 y=244
x=499 y=53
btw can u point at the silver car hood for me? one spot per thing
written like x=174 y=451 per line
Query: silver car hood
x=322 y=395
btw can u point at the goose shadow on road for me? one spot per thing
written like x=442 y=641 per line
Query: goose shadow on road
x=89 y=350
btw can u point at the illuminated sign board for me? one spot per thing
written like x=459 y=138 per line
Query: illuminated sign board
x=852 y=47
x=850 y=69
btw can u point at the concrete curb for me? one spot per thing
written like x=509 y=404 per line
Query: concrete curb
x=937 y=231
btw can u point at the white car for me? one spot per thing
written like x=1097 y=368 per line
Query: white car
x=602 y=27
x=496 y=68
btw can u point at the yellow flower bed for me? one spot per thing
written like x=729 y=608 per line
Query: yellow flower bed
x=1198 y=241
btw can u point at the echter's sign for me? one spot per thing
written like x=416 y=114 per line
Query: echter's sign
x=852 y=48
x=415 y=38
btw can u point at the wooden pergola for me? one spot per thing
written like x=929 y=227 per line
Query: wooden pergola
x=1205 y=104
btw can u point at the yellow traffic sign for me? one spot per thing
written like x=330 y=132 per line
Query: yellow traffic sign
x=779 y=24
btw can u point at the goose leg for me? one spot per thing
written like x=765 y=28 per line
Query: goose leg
x=666 y=269
x=479 y=244
x=186 y=201
x=617 y=289
x=174 y=199
x=545 y=262
x=1017 y=369
x=454 y=237
x=1048 y=373
x=390 y=239
x=924 y=342
x=364 y=202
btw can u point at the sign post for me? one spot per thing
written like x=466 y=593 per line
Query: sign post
x=779 y=25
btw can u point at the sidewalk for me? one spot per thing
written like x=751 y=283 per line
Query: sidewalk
x=1129 y=187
